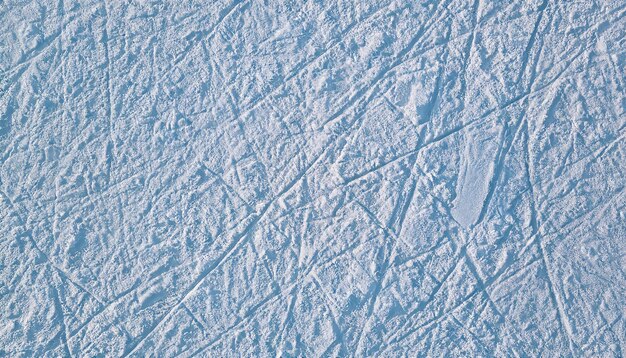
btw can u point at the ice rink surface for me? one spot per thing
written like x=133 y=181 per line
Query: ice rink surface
x=312 y=178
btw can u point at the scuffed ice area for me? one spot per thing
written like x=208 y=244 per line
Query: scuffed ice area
x=312 y=178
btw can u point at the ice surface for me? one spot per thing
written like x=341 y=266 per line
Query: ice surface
x=312 y=178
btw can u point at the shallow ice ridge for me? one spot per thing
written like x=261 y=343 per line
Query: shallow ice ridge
x=312 y=178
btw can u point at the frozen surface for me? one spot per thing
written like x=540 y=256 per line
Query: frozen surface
x=312 y=178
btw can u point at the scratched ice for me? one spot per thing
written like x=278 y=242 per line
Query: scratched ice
x=312 y=178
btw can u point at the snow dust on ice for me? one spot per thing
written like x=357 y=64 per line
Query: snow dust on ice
x=312 y=178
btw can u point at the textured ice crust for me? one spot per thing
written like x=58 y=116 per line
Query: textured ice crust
x=312 y=178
